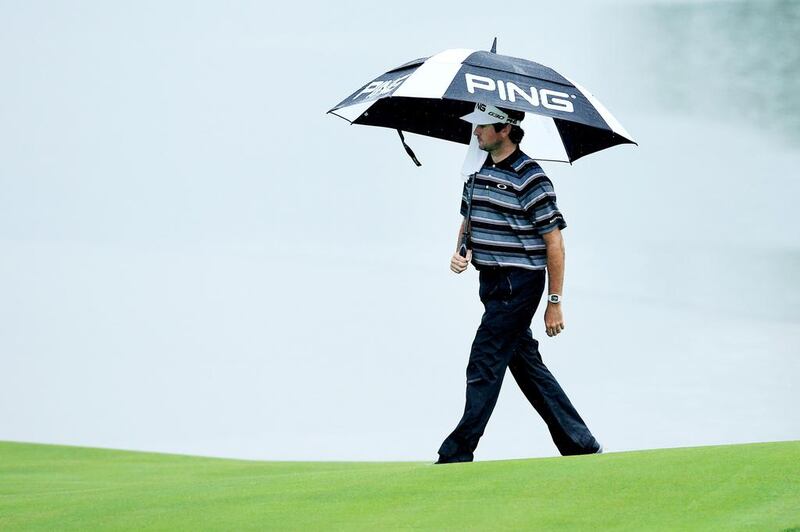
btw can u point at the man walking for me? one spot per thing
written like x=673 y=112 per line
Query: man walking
x=515 y=236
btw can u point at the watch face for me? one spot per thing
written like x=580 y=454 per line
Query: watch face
x=554 y=298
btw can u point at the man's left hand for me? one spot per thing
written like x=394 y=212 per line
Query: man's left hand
x=553 y=319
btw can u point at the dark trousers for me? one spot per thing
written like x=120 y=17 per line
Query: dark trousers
x=510 y=297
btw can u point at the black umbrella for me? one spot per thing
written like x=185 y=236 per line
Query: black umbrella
x=428 y=96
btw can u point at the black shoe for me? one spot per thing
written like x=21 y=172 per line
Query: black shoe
x=600 y=449
x=453 y=459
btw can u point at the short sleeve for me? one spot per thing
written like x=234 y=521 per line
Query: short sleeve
x=539 y=203
x=464 y=196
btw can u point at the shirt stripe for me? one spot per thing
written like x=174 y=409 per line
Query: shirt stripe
x=513 y=205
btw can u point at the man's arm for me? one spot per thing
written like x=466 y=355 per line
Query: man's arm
x=553 y=316
x=458 y=263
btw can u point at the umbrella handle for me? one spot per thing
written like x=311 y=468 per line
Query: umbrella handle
x=462 y=249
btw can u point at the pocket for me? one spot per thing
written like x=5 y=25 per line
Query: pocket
x=497 y=285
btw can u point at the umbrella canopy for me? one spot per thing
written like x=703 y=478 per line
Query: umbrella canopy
x=563 y=121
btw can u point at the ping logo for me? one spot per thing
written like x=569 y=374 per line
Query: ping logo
x=380 y=87
x=501 y=186
x=509 y=91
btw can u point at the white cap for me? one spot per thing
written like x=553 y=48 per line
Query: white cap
x=485 y=114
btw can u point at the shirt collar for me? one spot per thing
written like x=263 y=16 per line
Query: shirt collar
x=505 y=164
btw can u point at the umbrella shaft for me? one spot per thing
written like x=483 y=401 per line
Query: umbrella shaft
x=462 y=250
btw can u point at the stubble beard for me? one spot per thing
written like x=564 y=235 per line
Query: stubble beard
x=490 y=147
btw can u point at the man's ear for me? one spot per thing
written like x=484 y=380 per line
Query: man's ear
x=506 y=130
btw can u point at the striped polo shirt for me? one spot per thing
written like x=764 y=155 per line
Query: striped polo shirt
x=513 y=205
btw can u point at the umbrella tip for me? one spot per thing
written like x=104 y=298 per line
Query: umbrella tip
x=494 y=46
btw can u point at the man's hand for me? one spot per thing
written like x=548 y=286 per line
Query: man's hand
x=458 y=263
x=553 y=319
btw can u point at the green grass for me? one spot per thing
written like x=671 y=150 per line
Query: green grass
x=734 y=487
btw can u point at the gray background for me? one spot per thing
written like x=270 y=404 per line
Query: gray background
x=194 y=258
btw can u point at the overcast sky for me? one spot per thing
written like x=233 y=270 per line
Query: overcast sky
x=195 y=258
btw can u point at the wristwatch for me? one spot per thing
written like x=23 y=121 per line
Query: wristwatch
x=554 y=298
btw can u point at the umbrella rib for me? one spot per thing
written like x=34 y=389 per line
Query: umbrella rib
x=340 y=116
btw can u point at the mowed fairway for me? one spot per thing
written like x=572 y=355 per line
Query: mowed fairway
x=747 y=487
